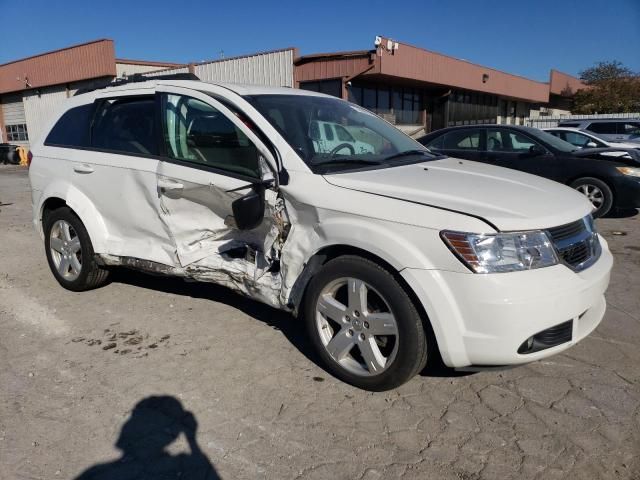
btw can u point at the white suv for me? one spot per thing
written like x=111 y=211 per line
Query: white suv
x=389 y=253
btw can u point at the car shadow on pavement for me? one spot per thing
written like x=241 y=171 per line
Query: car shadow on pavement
x=279 y=320
x=291 y=328
x=623 y=213
x=154 y=424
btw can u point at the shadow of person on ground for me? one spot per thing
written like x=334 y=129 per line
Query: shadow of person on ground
x=154 y=424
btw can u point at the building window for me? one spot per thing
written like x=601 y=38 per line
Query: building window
x=472 y=108
x=17 y=133
x=328 y=87
x=397 y=105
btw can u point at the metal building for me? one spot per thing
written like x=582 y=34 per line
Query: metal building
x=273 y=68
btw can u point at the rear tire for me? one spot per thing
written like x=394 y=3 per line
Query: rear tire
x=363 y=324
x=597 y=192
x=70 y=252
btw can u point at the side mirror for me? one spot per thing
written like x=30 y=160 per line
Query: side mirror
x=536 y=150
x=248 y=210
x=591 y=144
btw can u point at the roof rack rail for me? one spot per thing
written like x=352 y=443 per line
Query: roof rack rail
x=139 y=77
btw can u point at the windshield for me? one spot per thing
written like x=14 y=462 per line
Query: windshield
x=331 y=134
x=551 y=140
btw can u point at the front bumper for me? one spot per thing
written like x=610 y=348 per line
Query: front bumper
x=484 y=319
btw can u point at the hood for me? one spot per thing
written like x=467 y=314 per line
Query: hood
x=508 y=199
x=609 y=152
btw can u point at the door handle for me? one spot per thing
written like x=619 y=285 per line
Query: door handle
x=169 y=185
x=82 y=168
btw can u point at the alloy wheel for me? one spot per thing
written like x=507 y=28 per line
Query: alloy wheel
x=66 y=250
x=593 y=194
x=356 y=326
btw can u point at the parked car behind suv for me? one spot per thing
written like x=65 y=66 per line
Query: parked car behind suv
x=614 y=130
x=606 y=181
x=584 y=139
x=391 y=255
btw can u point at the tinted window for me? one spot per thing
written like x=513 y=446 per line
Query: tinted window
x=499 y=140
x=198 y=133
x=570 y=124
x=605 y=128
x=72 y=130
x=126 y=125
x=462 y=140
x=437 y=143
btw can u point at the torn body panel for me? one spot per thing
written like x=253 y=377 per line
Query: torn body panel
x=208 y=250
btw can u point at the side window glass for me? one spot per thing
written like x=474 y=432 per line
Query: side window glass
x=437 y=144
x=630 y=128
x=520 y=143
x=197 y=132
x=72 y=130
x=462 y=140
x=126 y=125
x=576 y=139
x=495 y=141
x=608 y=128
x=328 y=131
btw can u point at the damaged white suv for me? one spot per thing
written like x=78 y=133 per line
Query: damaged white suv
x=389 y=253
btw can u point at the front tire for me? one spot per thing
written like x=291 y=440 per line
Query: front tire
x=364 y=325
x=70 y=252
x=597 y=192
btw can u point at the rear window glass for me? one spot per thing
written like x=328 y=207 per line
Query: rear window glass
x=72 y=130
x=462 y=140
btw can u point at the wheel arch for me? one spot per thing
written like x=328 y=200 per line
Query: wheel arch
x=597 y=177
x=330 y=252
x=81 y=206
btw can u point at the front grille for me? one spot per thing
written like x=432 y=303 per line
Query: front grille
x=576 y=254
x=548 y=338
x=577 y=243
x=566 y=231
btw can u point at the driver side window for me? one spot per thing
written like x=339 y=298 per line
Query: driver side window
x=198 y=133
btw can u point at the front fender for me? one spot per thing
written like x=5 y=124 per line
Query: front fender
x=399 y=245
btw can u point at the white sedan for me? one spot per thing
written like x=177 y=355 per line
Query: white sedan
x=582 y=139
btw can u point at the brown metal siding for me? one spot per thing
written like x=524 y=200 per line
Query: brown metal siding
x=422 y=65
x=80 y=62
x=563 y=84
x=330 y=68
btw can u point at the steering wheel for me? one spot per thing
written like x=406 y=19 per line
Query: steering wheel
x=333 y=152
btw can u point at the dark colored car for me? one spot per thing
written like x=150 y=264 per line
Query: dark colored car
x=609 y=182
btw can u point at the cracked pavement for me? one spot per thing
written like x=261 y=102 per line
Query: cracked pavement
x=263 y=407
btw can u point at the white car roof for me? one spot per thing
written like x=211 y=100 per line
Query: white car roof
x=570 y=129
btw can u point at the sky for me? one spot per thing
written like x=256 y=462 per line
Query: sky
x=524 y=37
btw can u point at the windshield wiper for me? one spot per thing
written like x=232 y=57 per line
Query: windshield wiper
x=334 y=160
x=407 y=153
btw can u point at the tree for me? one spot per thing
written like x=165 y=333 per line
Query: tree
x=612 y=88
x=605 y=71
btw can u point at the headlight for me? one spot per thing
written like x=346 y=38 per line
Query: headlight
x=631 y=171
x=502 y=252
